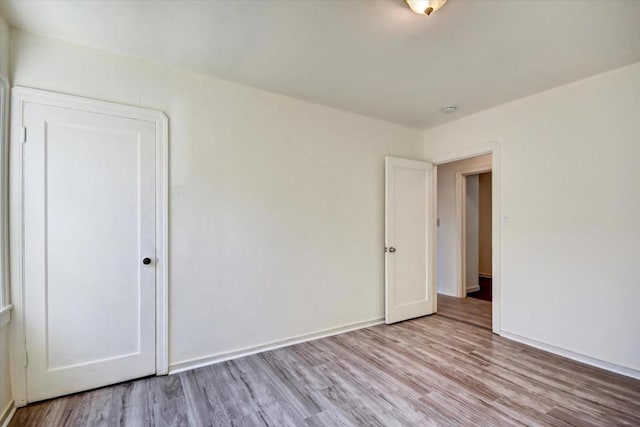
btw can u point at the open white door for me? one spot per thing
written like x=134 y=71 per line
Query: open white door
x=409 y=239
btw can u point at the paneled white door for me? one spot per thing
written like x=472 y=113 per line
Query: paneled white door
x=409 y=239
x=89 y=247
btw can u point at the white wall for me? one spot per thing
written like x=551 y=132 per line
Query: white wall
x=5 y=386
x=276 y=205
x=472 y=237
x=569 y=185
x=4 y=47
x=447 y=234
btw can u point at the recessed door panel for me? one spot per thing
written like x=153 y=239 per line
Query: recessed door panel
x=89 y=220
x=409 y=240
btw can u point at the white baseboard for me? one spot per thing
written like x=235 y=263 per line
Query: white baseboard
x=485 y=275
x=7 y=414
x=449 y=294
x=473 y=288
x=573 y=356
x=247 y=351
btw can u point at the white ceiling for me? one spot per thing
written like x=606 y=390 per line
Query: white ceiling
x=375 y=58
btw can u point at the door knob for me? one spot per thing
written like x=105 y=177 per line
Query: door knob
x=146 y=261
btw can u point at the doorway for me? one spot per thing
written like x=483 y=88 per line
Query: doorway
x=414 y=236
x=464 y=249
x=90 y=271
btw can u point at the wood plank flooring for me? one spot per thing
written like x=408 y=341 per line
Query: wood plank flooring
x=474 y=311
x=429 y=371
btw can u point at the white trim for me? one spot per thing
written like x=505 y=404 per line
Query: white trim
x=608 y=366
x=492 y=148
x=472 y=289
x=162 y=244
x=448 y=294
x=433 y=241
x=485 y=275
x=487 y=148
x=199 y=362
x=461 y=230
x=21 y=96
x=5 y=315
x=7 y=414
x=5 y=299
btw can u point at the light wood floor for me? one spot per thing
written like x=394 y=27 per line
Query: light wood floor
x=429 y=371
x=474 y=311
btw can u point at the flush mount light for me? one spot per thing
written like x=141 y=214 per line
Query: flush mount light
x=425 y=7
x=450 y=109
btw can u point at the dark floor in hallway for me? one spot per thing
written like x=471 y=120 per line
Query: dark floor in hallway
x=486 y=289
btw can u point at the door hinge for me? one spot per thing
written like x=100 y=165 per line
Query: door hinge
x=24 y=134
x=26 y=358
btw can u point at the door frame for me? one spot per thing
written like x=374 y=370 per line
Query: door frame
x=461 y=230
x=493 y=148
x=5 y=295
x=21 y=96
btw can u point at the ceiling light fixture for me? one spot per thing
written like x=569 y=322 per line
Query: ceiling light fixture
x=425 y=7
x=450 y=109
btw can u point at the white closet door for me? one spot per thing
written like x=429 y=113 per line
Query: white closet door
x=89 y=223
x=409 y=240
